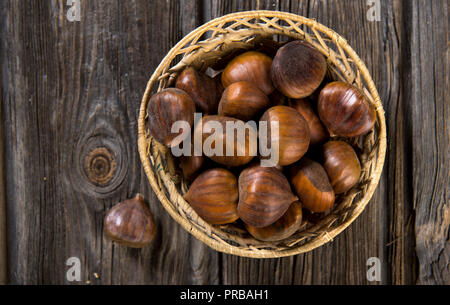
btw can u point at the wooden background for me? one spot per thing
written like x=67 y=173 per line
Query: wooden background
x=70 y=94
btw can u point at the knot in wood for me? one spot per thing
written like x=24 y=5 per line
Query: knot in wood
x=100 y=166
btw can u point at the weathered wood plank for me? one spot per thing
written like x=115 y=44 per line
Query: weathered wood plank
x=429 y=87
x=399 y=217
x=28 y=81
x=3 y=242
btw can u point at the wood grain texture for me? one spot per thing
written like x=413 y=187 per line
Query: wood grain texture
x=70 y=94
x=3 y=242
x=429 y=87
x=399 y=230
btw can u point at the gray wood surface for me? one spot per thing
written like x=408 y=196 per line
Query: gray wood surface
x=70 y=94
x=3 y=257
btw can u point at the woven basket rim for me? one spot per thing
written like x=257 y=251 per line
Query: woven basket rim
x=261 y=253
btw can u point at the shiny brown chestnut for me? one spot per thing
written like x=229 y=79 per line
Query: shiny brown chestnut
x=243 y=100
x=212 y=130
x=201 y=88
x=293 y=133
x=298 y=68
x=317 y=131
x=214 y=196
x=165 y=108
x=253 y=67
x=341 y=164
x=191 y=165
x=130 y=223
x=264 y=195
x=284 y=227
x=345 y=110
x=312 y=185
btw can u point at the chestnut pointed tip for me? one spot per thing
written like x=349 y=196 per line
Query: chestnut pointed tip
x=139 y=197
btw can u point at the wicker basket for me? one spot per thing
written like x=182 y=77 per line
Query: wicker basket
x=207 y=45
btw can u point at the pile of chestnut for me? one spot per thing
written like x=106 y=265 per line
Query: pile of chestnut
x=313 y=167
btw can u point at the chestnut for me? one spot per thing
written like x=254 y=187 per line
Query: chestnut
x=345 y=110
x=284 y=227
x=264 y=195
x=214 y=196
x=191 y=165
x=317 y=132
x=253 y=67
x=298 y=68
x=243 y=100
x=293 y=133
x=341 y=164
x=203 y=90
x=212 y=130
x=165 y=108
x=130 y=223
x=312 y=185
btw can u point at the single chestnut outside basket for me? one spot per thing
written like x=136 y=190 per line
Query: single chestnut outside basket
x=218 y=40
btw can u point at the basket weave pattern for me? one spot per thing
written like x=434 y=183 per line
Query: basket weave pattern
x=201 y=49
